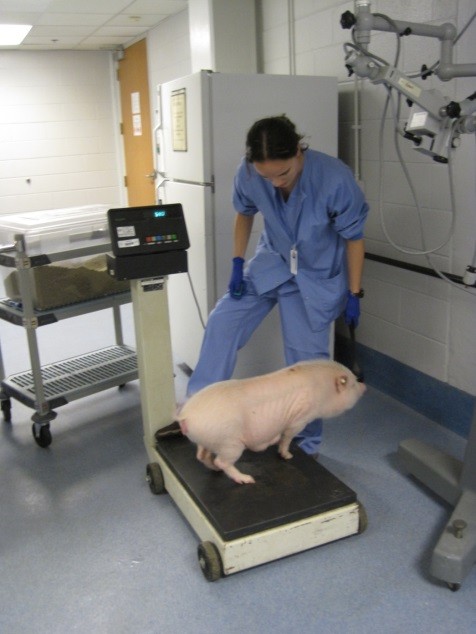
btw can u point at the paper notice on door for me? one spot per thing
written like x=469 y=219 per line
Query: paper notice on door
x=179 y=120
x=137 y=125
x=135 y=102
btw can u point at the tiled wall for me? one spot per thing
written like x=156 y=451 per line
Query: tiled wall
x=59 y=148
x=417 y=320
x=58 y=130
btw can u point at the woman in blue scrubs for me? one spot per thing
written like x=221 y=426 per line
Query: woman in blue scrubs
x=309 y=258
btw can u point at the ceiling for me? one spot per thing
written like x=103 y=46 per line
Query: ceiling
x=85 y=24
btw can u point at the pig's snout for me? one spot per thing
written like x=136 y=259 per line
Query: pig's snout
x=359 y=389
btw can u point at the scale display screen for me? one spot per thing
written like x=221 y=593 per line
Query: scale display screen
x=150 y=229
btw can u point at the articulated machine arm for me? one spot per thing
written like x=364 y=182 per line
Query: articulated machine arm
x=435 y=123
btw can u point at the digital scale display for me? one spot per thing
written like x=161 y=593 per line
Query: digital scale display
x=150 y=229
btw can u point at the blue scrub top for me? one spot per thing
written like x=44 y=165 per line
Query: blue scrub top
x=326 y=207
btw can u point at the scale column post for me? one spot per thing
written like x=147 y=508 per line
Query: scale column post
x=154 y=356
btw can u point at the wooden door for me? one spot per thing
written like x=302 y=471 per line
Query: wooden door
x=136 y=125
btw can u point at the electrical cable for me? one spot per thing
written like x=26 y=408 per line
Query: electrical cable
x=467 y=25
x=426 y=252
x=399 y=35
x=202 y=321
x=396 y=114
x=409 y=251
x=360 y=49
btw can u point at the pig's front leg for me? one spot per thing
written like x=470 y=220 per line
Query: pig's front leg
x=283 y=447
x=206 y=458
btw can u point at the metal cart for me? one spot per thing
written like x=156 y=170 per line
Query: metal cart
x=48 y=387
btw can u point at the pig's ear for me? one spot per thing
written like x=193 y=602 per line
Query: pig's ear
x=341 y=382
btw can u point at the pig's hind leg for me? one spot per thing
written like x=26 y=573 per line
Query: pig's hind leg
x=234 y=473
x=226 y=459
x=206 y=458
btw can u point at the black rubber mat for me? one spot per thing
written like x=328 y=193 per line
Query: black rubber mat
x=285 y=490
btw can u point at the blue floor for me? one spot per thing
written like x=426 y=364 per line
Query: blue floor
x=85 y=546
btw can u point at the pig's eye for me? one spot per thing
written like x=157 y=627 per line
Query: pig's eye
x=343 y=380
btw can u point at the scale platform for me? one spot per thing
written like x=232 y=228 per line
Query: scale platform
x=294 y=505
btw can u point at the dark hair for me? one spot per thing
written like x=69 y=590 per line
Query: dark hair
x=272 y=138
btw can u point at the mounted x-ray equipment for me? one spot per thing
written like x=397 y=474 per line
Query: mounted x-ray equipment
x=435 y=123
x=295 y=505
x=434 y=126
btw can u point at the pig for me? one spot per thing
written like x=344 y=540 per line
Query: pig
x=224 y=418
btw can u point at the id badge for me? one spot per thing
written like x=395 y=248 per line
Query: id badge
x=293 y=261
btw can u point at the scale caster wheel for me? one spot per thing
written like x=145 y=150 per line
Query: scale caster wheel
x=155 y=479
x=454 y=587
x=6 y=407
x=210 y=561
x=363 y=520
x=42 y=435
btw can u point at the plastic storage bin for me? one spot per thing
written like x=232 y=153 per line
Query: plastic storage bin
x=66 y=282
x=47 y=235
x=55 y=230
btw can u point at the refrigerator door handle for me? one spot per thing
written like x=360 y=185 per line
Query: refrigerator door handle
x=187 y=182
x=159 y=177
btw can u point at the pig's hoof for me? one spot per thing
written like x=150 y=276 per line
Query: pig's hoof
x=244 y=479
x=287 y=455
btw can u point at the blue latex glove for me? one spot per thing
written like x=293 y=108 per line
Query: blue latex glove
x=352 y=310
x=237 y=286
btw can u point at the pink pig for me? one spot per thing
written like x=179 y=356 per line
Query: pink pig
x=225 y=418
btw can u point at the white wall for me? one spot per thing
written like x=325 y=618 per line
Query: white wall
x=168 y=51
x=420 y=321
x=58 y=130
x=168 y=56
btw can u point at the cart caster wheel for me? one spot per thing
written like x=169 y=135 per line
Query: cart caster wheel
x=6 y=407
x=454 y=587
x=363 y=520
x=210 y=561
x=42 y=435
x=155 y=478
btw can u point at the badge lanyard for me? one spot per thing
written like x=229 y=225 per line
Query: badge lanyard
x=293 y=260
x=293 y=254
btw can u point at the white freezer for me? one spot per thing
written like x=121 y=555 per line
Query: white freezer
x=205 y=118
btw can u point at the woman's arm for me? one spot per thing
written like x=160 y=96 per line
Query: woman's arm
x=355 y=263
x=241 y=234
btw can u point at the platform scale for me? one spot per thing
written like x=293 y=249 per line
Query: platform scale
x=295 y=504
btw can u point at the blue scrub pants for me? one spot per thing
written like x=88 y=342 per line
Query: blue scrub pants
x=230 y=326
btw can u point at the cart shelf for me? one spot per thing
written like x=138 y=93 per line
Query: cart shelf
x=40 y=238
x=76 y=377
x=13 y=311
